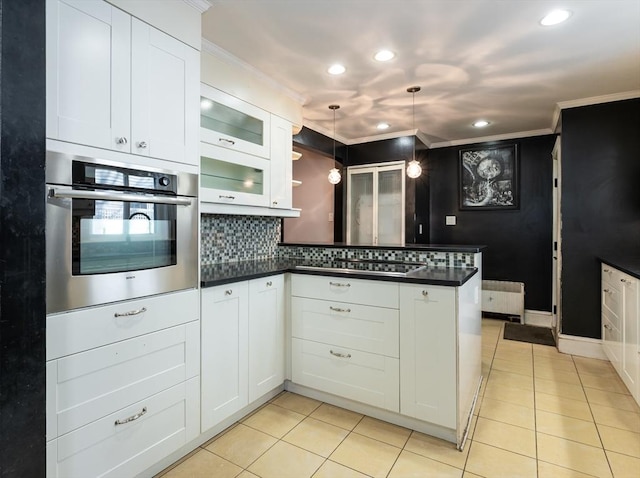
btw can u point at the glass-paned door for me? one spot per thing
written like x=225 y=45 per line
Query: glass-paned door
x=375 y=204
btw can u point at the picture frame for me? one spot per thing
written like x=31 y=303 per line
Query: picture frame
x=489 y=178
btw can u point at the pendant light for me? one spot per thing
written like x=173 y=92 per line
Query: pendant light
x=334 y=175
x=414 y=170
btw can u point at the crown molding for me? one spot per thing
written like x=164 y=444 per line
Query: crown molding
x=595 y=100
x=200 y=5
x=222 y=54
x=498 y=137
x=556 y=123
x=328 y=133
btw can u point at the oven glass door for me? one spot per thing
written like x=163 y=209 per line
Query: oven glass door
x=121 y=236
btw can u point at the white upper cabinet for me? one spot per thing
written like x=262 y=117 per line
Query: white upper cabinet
x=229 y=122
x=281 y=164
x=164 y=96
x=116 y=83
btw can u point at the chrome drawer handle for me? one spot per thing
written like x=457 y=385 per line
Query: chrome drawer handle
x=426 y=293
x=142 y=144
x=606 y=270
x=269 y=284
x=338 y=354
x=607 y=326
x=132 y=417
x=339 y=284
x=226 y=197
x=130 y=313
x=228 y=141
x=606 y=291
x=338 y=309
x=228 y=292
x=121 y=140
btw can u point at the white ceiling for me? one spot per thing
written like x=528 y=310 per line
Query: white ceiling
x=473 y=59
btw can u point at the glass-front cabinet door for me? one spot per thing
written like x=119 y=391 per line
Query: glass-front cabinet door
x=375 y=204
x=231 y=123
x=233 y=178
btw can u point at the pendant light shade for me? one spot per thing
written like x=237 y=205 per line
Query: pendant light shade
x=334 y=176
x=414 y=170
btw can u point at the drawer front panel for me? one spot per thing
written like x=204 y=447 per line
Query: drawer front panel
x=87 y=386
x=611 y=341
x=81 y=330
x=164 y=423
x=344 y=289
x=360 y=327
x=612 y=298
x=364 y=377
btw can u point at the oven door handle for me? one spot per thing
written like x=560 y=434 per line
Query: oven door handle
x=113 y=196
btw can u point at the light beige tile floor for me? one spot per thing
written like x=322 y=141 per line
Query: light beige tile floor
x=541 y=414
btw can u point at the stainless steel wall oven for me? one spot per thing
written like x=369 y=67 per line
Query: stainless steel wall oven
x=117 y=231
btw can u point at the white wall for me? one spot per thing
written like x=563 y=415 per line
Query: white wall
x=314 y=197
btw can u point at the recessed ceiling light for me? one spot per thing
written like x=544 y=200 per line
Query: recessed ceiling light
x=481 y=123
x=384 y=55
x=383 y=126
x=554 y=17
x=336 y=69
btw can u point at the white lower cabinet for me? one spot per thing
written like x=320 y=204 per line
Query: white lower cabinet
x=242 y=339
x=129 y=441
x=266 y=335
x=224 y=325
x=117 y=409
x=428 y=365
x=411 y=349
x=620 y=308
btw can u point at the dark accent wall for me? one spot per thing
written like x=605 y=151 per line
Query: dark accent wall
x=519 y=242
x=22 y=248
x=600 y=203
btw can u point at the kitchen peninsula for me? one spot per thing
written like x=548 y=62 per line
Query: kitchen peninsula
x=390 y=331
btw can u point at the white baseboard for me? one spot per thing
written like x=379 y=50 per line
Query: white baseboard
x=582 y=346
x=538 y=318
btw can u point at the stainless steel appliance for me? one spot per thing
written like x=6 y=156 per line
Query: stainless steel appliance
x=117 y=231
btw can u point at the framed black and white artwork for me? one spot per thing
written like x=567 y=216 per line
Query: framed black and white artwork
x=489 y=178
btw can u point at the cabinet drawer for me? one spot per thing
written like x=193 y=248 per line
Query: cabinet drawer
x=612 y=341
x=612 y=298
x=80 y=330
x=84 y=387
x=360 y=327
x=158 y=426
x=348 y=373
x=345 y=289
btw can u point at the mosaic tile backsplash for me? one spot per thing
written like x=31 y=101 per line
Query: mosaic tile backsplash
x=244 y=238
x=430 y=258
x=238 y=238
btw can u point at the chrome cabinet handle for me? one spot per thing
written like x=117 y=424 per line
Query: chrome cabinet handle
x=269 y=284
x=142 y=144
x=275 y=203
x=132 y=417
x=338 y=309
x=130 y=313
x=228 y=292
x=116 y=196
x=226 y=197
x=606 y=270
x=228 y=141
x=607 y=326
x=425 y=293
x=606 y=291
x=121 y=140
x=338 y=354
x=339 y=284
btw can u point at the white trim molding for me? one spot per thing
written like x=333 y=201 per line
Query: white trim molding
x=497 y=137
x=538 y=318
x=595 y=100
x=222 y=54
x=581 y=346
x=200 y=5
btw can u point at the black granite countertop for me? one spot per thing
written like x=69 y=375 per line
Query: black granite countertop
x=406 y=247
x=219 y=274
x=628 y=264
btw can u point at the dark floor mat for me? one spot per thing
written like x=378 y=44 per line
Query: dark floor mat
x=528 y=333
